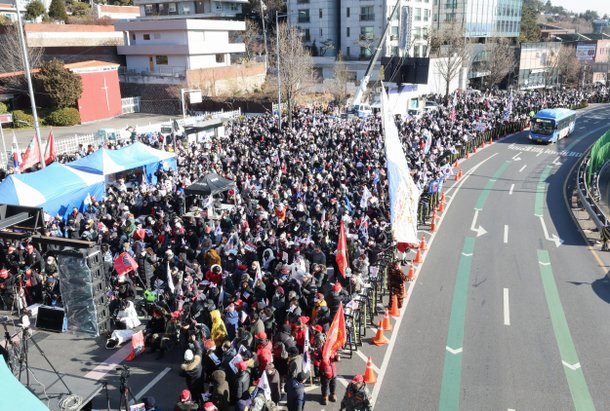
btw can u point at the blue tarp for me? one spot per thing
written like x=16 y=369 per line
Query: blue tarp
x=14 y=395
x=57 y=189
x=136 y=155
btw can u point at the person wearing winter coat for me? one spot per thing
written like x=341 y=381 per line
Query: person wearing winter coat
x=242 y=381
x=357 y=396
x=264 y=351
x=191 y=369
x=295 y=392
x=396 y=283
x=219 y=390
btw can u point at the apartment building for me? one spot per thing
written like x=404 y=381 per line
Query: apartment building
x=355 y=26
x=481 y=18
x=164 y=9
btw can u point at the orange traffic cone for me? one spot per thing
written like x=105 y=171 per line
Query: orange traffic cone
x=379 y=337
x=456 y=164
x=386 y=323
x=457 y=177
x=433 y=224
x=394 y=311
x=369 y=374
x=418 y=258
x=474 y=150
x=422 y=244
x=411 y=275
x=443 y=196
x=467 y=155
x=441 y=205
x=460 y=173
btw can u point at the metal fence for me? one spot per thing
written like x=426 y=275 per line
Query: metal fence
x=130 y=105
x=589 y=198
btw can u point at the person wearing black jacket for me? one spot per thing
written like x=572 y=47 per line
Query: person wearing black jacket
x=191 y=369
x=295 y=392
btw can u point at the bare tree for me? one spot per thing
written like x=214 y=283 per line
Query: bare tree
x=499 y=61
x=450 y=47
x=296 y=66
x=11 y=57
x=568 y=66
x=338 y=86
x=251 y=39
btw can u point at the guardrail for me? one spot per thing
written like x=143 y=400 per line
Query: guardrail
x=586 y=197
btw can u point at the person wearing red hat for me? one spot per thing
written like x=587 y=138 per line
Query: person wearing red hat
x=242 y=381
x=357 y=397
x=264 y=351
x=186 y=403
x=209 y=406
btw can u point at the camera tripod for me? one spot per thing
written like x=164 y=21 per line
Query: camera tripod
x=125 y=390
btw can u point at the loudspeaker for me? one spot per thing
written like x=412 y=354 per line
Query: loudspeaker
x=51 y=319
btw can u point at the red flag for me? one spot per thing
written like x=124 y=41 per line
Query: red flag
x=341 y=257
x=125 y=263
x=336 y=336
x=50 y=152
x=31 y=156
x=137 y=346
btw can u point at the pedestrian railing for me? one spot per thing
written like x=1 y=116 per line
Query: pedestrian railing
x=587 y=198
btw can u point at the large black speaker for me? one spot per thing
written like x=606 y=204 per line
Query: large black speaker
x=51 y=319
x=412 y=70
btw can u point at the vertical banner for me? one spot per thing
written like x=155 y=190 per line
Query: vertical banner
x=405 y=28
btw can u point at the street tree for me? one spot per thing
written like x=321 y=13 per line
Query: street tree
x=78 y=8
x=295 y=68
x=338 y=87
x=450 y=48
x=568 y=67
x=11 y=57
x=34 y=9
x=530 y=31
x=251 y=39
x=57 y=10
x=61 y=85
x=499 y=60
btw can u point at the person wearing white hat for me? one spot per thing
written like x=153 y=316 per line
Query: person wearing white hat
x=191 y=369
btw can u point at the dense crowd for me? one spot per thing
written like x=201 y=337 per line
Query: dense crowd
x=235 y=292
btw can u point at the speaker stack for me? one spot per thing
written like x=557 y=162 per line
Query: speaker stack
x=83 y=290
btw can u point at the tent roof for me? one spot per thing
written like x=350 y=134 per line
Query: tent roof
x=108 y=162
x=14 y=394
x=37 y=188
x=210 y=184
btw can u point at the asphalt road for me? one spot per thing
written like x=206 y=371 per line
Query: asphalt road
x=510 y=317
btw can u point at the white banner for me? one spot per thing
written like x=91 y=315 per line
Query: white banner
x=404 y=194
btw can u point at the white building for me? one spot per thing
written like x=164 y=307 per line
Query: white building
x=169 y=48
x=355 y=26
x=163 y=9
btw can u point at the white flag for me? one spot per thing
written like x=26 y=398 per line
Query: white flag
x=263 y=385
x=364 y=201
x=404 y=194
x=170 y=281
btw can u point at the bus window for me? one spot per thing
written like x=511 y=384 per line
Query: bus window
x=541 y=126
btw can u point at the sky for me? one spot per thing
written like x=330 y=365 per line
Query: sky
x=579 y=6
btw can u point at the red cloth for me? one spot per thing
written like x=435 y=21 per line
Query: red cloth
x=31 y=156
x=213 y=277
x=264 y=354
x=336 y=336
x=50 y=152
x=341 y=257
x=125 y=263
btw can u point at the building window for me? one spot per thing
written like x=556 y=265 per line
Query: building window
x=321 y=33
x=302 y=1
x=320 y=13
x=133 y=36
x=365 y=52
x=172 y=9
x=394 y=33
x=367 y=13
x=148 y=9
x=347 y=51
x=161 y=60
x=367 y=33
x=220 y=58
x=146 y=36
x=347 y=32
x=347 y=12
x=157 y=36
x=306 y=35
x=426 y=15
x=303 y=16
x=417 y=14
x=394 y=51
x=186 y=9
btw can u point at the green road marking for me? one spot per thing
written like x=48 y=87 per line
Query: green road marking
x=452 y=370
x=490 y=184
x=576 y=379
x=540 y=191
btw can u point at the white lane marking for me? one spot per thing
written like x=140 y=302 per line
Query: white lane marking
x=545 y=264
x=512 y=187
x=573 y=367
x=152 y=383
x=556 y=161
x=366 y=360
x=467 y=254
x=516 y=157
x=511 y=409
x=554 y=238
x=539 y=153
x=388 y=353
x=479 y=230
x=454 y=351
x=506 y=308
x=344 y=382
x=522 y=168
x=110 y=364
x=505 y=234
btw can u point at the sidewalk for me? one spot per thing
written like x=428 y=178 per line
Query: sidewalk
x=24 y=136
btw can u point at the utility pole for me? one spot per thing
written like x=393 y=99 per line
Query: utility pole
x=279 y=81
x=263 y=8
x=28 y=76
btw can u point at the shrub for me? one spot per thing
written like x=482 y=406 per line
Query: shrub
x=64 y=117
x=20 y=115
x=3 y=108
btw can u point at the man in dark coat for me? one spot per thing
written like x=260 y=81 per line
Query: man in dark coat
x=295 y=392
x=191 y=369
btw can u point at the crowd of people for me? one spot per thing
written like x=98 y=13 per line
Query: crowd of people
x=237 y=293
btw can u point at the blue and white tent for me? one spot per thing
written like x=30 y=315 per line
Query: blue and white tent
x=57 y=189
x=136 y=155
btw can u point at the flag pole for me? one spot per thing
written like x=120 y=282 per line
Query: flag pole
x=3 y=143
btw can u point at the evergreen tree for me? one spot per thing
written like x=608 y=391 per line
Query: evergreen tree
x=61 y=85
x=530 y=31
x=57 y=10
x=34 y=9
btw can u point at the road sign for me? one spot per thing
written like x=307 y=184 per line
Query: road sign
x=6 y=118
